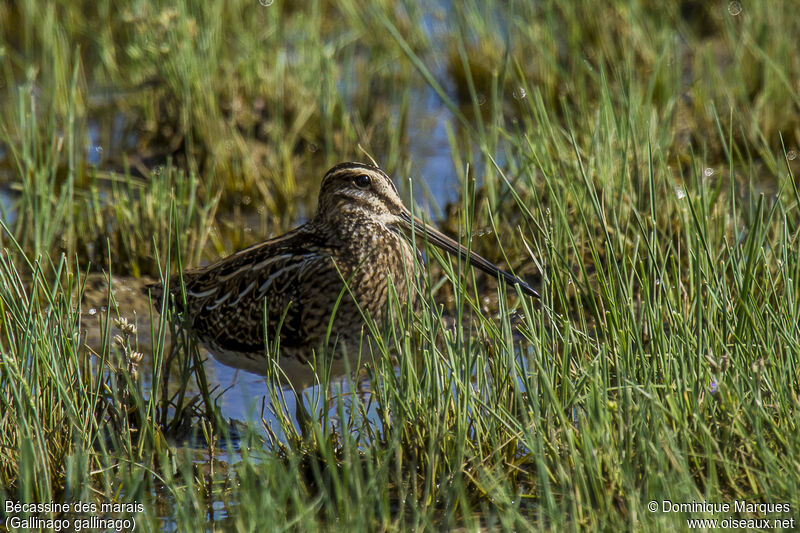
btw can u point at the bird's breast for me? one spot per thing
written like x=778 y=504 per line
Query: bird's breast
x=381 y=259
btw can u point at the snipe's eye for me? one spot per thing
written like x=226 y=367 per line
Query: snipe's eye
x=362 y=181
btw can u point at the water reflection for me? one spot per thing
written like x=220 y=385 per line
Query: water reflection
x=251 y=399
x=429 y=148
x=7 y=210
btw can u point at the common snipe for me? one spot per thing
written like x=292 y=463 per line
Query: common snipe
x=358 y=237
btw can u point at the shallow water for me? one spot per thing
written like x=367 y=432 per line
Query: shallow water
x=436 y=183
x=7 y=210
x=248 y=398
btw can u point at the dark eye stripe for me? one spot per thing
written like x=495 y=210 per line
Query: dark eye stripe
x=345 y=170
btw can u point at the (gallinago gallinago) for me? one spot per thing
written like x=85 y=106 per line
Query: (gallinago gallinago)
x=356 y=238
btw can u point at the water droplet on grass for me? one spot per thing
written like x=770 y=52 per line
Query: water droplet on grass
x=519 y=93
x=708 y=172
x=734 y=8
x=95 y=152
x=680 y=192
x=266 y=3
x=792 y=155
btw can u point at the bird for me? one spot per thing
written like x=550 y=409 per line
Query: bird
x=311 y=288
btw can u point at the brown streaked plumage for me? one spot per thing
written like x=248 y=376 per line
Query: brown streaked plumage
x=358 y=235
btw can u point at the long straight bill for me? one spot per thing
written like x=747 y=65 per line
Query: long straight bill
x=447 y=244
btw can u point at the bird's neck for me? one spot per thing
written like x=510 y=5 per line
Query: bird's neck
x=369 y=253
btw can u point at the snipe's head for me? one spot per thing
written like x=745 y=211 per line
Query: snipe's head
x=353 y=192
x=356 y=190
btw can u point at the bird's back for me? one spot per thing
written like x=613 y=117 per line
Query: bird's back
x=225 y=302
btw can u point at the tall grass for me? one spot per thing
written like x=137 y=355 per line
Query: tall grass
x=638 y=162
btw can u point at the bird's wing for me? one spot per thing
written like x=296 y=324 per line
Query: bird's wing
x=226 y=300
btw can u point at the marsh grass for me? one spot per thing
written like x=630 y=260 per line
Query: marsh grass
x=646 y=177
